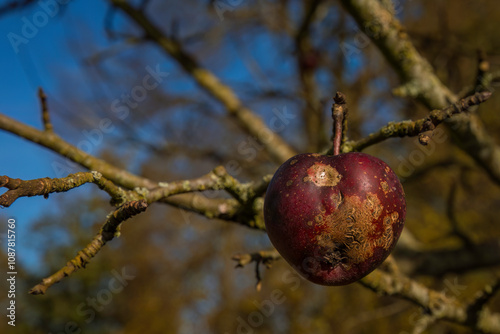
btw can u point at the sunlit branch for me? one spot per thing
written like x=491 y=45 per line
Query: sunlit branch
x=414 y=128
x=41 y=187
x=217 y=179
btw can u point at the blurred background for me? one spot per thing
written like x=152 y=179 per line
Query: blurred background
x=171 y=270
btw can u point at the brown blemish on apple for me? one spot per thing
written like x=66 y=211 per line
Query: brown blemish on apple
x=337 y=199
x=394 y=216
x=385 y=240
x=293 y=162
x=348 y=233
x=384 y=186
x=289 y=183
x=322 y=175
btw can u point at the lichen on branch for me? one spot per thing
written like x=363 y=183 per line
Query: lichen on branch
x=414 y=128
x=43 y=186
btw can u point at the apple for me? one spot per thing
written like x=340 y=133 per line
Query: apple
x=334 y=218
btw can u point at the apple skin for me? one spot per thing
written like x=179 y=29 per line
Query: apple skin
x=334 y=219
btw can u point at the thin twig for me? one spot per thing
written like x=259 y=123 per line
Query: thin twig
x=217 y=179
x=47 y=125
x=107 y=232
x=414 y=128
x=264 y=257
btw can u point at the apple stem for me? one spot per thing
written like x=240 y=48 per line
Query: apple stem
x=339 y=115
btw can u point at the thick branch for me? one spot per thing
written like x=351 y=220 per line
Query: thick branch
x=420 y=81
x=247 y=119
x=108 y=232
x=38 y=187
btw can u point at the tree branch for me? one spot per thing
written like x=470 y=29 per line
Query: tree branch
x=44 y=186
x=414 y=128
x=45 y=110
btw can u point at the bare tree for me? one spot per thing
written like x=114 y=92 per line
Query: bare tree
x=223 y=92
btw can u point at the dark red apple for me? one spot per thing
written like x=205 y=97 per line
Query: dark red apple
x=334 y=218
